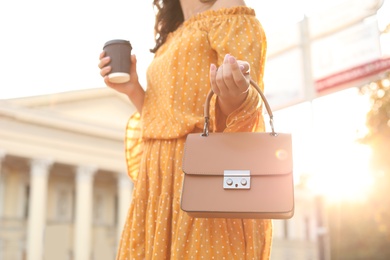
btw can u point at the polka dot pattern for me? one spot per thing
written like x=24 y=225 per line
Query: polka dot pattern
x=178 y=82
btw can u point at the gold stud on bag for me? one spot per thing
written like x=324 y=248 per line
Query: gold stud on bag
x=238 y=175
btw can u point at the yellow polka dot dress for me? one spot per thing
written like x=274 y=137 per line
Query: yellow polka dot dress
x=178 y=82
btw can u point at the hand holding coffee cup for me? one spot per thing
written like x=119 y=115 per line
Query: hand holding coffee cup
x=119 y=51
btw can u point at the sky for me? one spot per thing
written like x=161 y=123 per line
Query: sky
x=53 y=46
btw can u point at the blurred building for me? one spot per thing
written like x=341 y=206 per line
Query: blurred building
x=302 y=237
x=64 y=192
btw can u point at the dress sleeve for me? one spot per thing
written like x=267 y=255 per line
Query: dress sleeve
x=242 y=36
x=133 y=145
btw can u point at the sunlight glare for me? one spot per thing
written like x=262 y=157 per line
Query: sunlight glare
x=346 y=177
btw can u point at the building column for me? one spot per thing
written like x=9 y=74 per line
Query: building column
x=125 y=190
x=2 y=200
x=37 y=208
x=2 y=184
x=83 y=220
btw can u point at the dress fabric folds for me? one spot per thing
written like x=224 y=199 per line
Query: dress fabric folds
x=177 y=85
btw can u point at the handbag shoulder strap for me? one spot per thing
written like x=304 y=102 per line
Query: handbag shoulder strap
x=207 y=109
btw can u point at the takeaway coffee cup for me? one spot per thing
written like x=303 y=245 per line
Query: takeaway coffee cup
x=119 y=52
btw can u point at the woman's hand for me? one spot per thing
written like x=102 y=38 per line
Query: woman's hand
x=105 y=69
x=230 y=82
x=132 y=88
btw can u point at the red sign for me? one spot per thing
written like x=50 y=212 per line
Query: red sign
x=352 y=74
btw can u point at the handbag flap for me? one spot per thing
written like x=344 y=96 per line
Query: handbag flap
x=260 y=153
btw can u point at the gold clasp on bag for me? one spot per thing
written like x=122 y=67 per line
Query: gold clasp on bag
x=237 y=179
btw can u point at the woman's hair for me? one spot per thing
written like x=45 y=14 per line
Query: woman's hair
x=169 y=17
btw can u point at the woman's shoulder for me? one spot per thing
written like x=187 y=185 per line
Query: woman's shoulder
x=221 y=12
x=222 y=4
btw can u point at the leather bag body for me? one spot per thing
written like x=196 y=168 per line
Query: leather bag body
x=238 y=175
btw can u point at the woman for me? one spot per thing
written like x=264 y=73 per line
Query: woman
x=193 y=38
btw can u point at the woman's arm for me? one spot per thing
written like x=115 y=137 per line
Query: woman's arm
x=132 y=89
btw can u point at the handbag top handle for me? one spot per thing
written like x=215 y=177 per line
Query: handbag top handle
x=207 y=107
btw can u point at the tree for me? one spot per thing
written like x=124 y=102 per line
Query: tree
x=361 y=230
x=378 y=139
x=378 y=125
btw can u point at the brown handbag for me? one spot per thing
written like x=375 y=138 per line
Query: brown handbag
x=238 y=175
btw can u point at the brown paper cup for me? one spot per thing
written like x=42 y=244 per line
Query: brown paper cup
x=119 y=51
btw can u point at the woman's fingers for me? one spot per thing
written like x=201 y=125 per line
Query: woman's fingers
x=244 y=67
x=102 y=54
x=231 y=78
x=226 y=78
x=103 y=61
x=133 y=67
x=240 y=82
x=213 y=79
